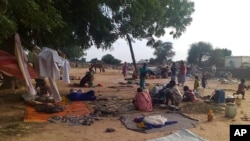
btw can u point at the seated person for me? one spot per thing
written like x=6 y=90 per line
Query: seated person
x=188 y=95
x=88 y=78
x=165 y=94
x=241 y=88
x=43 y=91
x=142 y=101
x=173 y=94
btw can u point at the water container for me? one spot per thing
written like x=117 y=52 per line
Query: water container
x=219 y=96
x=210 y=115
x=231 y=110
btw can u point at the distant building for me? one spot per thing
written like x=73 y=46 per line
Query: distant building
x=237 y=61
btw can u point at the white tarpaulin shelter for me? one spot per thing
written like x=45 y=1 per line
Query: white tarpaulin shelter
x=181 y=135
x=49 y=62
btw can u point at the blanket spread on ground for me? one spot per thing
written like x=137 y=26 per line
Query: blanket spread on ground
x=76 y=108
x=183 y=122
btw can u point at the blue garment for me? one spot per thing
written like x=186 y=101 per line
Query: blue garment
x=79 y=96
x=143 y=73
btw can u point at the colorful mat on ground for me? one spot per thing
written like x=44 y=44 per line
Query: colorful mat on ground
x=183 y=122
x=77 y=108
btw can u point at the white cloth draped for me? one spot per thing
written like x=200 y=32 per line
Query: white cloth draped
x=23 y=62
x=49 y=63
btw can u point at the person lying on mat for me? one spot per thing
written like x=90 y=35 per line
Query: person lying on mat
x=142 y=101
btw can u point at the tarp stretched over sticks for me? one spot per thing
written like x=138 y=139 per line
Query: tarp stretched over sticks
x=9 y=66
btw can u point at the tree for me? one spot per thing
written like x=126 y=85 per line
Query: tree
x=111 y=60
x=74 y=53
x=85 y=23
x=163 y=51
x=199 y=52
x=218 y=56
x=94 y=60
x=144 y=19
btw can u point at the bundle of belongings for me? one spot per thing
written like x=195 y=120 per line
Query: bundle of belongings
x=50 y=108
x=78 y=95
x=154 y=121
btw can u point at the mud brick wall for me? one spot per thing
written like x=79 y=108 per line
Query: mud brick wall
x=237 y=73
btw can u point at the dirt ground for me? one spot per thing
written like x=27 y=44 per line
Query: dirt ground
x=12 y=127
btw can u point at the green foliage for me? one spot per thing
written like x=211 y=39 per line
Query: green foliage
x=199 y=52
x=73 y=53
x=218 y=56
x=145 y=18
x=109 y=59
x=202 y=53
x=94 y=60
x=86 y=23
x=163 y=51
x=7 y=27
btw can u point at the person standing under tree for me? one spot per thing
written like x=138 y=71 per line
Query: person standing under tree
x=125 y=69
x=173 y=72
x=143 y=72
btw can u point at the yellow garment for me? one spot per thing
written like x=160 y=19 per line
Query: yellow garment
x=141 y=125
x=196 y=84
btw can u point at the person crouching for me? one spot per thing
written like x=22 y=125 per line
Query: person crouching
x=142 y=101
x=188 y=95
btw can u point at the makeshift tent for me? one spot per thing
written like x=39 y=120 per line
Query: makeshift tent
x=154 y=70
x=49 y=62
x=9 y=66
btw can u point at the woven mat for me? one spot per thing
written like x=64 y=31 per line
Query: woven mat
x=183 y=122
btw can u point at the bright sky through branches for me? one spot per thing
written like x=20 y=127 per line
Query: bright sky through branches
x=222 y=23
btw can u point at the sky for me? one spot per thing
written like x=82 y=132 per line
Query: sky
x=222 y=23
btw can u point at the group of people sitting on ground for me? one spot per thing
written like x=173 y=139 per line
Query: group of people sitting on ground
x=143 y=101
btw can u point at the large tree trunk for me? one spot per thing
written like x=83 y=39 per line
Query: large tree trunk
x=132 y=53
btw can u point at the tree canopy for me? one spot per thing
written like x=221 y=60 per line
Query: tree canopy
x=203 y=53
x=163 y=51
x=87 y=23
x=199 y=52
x=111 y=60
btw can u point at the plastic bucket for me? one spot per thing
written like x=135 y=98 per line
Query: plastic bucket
x=231 y=110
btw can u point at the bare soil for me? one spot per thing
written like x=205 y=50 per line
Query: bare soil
x=12 y=127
